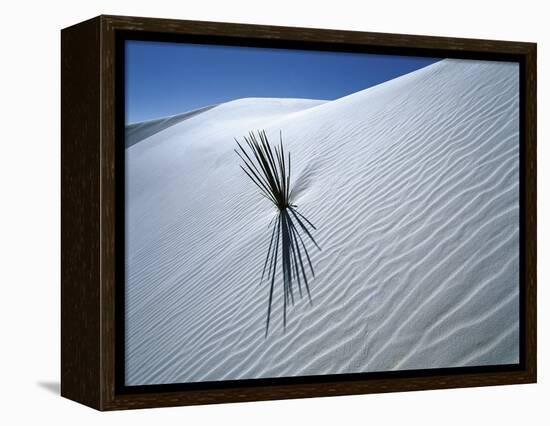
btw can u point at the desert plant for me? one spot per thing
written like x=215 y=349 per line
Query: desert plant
x=269 y=168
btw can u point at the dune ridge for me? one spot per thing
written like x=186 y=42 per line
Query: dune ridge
x=137 y=132
x=413 y=185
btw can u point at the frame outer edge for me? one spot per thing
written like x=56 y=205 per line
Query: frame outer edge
x=80 y=210
x=108 y=399
x=531 y=210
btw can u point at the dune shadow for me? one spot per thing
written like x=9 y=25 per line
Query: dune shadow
x=134 y=133
x=270 y=169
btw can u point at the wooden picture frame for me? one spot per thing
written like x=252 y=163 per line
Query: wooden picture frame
x=91 y=342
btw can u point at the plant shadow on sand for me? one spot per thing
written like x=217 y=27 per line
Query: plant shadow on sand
x=269 y=169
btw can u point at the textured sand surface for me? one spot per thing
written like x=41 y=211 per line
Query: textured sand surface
x=413 y=185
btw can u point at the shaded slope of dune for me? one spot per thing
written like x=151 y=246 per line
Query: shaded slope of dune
x=413 y=185
x=139 y=131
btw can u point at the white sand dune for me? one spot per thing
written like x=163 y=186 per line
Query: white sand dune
x=413 y=185
x=136 y=132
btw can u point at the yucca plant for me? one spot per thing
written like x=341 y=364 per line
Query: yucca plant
x=269 y=168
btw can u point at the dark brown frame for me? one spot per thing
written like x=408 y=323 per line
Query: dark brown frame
x=89 y=213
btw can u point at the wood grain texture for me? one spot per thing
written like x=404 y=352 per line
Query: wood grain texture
x=149 y=400
x=108 y=216
x=89 y=170
x=267 y=32
x=80 y=213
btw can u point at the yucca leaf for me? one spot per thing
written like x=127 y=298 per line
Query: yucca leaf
x=269 y=168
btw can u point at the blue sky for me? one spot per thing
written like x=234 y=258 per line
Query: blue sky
x=165 y=78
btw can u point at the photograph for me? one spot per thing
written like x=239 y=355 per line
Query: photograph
x=297 y=213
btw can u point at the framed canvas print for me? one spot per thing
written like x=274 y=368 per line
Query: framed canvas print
x=254 y=212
